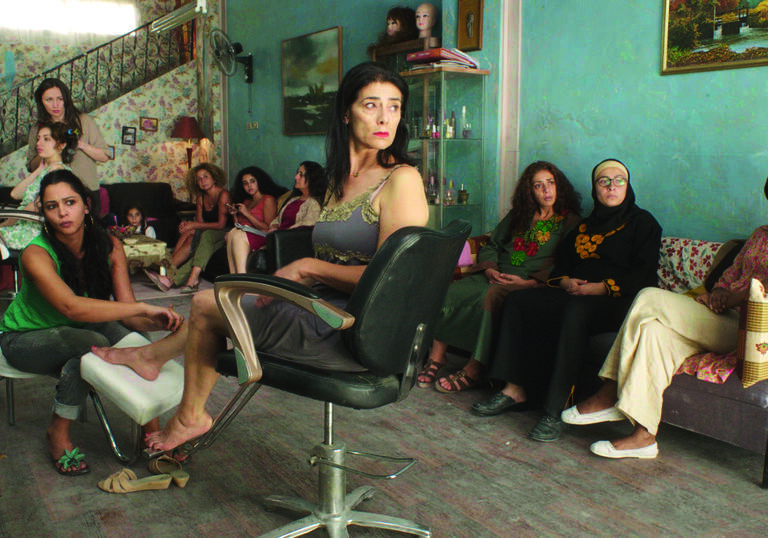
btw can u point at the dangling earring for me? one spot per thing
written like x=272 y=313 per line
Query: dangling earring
x=90 y=218
x=45 y=227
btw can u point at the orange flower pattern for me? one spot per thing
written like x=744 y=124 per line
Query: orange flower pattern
x=586 y=244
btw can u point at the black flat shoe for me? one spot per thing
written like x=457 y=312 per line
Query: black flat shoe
x=547 y=429
x=497 y=404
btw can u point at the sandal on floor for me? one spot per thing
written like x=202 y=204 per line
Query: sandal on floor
x=429 y=372
x=165 y=464
x=71 y=458
x=458 y=382
x=190 y=289
x=125 y=481
x=156 y=281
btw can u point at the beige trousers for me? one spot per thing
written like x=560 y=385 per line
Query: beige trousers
x=660 y=331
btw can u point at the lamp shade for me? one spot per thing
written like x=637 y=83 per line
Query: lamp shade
x=187 y=127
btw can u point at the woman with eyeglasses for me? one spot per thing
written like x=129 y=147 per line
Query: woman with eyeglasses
x=544 y=332
x=661 y=330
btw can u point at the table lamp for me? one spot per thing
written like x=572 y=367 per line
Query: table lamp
x=187 y=127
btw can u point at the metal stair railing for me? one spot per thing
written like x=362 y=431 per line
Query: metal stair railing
x=98 y=76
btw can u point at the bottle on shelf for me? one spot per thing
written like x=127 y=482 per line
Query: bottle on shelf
x=451 y=131
x=449 y=195
x=466 y=123
x=462 y=197
x=433 y=193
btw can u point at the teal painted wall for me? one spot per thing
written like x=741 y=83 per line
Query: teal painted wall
x=261 y=27
x=591 y=88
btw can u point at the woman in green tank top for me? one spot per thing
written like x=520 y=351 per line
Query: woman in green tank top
x=70 y=271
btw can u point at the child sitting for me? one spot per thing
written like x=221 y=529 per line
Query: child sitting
x=134 y=216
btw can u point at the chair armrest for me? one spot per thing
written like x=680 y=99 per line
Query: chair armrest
x=6 y=213
x=229 y=289
x=286 y=246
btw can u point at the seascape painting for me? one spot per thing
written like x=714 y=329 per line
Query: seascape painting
x=311 y=66
x=701 y=35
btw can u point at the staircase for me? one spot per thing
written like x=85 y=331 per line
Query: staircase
x=98 y=76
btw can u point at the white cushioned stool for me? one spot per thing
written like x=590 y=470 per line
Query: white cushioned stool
x=140 y=399
x=10 y=373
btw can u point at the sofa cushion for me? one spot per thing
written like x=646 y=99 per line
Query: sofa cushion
x=685 y=263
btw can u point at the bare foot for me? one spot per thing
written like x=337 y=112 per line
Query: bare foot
x=178 y=432
x=602 y=399
x=639 y=438
x=130 y=357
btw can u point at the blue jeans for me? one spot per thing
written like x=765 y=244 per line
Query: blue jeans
x=56 y=352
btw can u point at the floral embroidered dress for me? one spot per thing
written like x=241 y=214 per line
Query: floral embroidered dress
x=468 y=317
x=346 y=234
x=19 y=234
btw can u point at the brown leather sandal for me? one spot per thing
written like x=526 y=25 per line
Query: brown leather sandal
x=458 y=382
x=429 y=374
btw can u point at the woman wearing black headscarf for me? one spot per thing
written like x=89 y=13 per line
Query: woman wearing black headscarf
x=544 y=332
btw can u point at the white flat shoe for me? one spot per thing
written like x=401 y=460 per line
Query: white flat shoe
x=572 y=416
x=607 y=450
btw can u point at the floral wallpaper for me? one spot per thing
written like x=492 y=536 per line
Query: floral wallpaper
x=155 y=156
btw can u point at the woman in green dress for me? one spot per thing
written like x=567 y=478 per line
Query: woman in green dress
x=519 y=255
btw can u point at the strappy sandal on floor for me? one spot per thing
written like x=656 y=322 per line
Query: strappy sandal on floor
x=165 y=464
x=125 y=481
x=429 y=372
x=458 y=382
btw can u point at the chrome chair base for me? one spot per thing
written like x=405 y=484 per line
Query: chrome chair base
x=335 y=510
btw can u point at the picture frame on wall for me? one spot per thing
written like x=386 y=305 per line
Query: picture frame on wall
x=311 y=74
x=470 y=25
x=148 y=124
x=711 y=35
x=129 y=136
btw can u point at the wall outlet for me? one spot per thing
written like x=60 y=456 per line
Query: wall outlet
x=252 y=125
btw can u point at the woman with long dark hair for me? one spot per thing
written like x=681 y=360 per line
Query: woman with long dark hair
x=54 y=104
x=373 y=193
x=56 y=145
x=520 y=254
x=301 y=208
x=70 y=271
x=254 y=207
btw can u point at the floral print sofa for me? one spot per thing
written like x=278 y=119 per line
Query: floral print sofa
x=726 y=411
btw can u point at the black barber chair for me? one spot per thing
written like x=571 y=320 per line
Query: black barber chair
x=387 y=327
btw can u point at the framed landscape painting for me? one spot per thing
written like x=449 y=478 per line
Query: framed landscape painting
x=703 y=35
x=311 y=73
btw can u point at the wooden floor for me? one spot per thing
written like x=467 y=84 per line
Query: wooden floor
x=476 y=477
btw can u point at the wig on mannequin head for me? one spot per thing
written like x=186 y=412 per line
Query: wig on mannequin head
x=406 y=17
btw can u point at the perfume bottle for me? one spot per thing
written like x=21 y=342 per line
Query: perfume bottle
x=449 y=195
x=433 y=195
x=451 y=130
x=466 y=123
x=462 y=196
x=428 y=128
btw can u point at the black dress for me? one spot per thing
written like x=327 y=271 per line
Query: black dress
x=544 y=332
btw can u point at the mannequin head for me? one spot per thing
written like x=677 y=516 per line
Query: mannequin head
x=425 y=19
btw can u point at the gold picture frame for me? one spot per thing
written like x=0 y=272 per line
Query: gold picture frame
x=470 y=25
x=701 y=37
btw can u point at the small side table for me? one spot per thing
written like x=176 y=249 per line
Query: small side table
x=143 y=251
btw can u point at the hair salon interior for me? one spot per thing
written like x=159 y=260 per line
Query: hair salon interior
x=568 y=81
